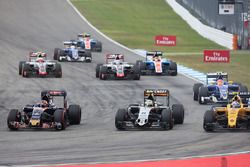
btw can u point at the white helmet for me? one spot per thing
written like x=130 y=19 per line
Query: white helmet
x=149 y=103
x=72 y=47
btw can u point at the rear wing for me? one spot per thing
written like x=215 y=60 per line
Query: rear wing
x=114 y=57
x=83 y=35
x=70 y=43
x=244 y=96
x=156 y=92
x=217 y=75
x=54 y=93
x=34 y=55
x=151 y=54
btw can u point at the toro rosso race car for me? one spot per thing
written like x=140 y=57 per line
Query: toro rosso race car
x=117 y=69
x=156 y=65
x=72 y=53
x=234 y=115
x=85 y=41
x=39 y=66
x=216 y=89
x=51 y=112
x=155 y=112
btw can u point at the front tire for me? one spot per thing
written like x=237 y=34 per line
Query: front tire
x=120 y=118
x=208 y=119
x=14 y=116
x=196 y=90
x=97 y=70
x=60 y=120
x=203 y=92
x=21 y=63
x=173 y=68
x=166 y=119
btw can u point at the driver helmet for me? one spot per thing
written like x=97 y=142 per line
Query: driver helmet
x=236 y=102
x=72 y=47
x=149 y=103
x=44 y=103
x=220 y=82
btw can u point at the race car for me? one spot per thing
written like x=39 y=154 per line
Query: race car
x=216 y=88
x=51 y=112
x=72 y=53
x=234 y=115
x=116 y=68
x=155 y=112
x=85 y=41
x=156 y=65
x=39 y=66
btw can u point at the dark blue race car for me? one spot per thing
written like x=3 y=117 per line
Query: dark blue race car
x=72 y=53
x=156 y=65
x=216 y=88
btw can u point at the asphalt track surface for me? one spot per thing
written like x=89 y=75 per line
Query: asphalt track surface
x=42 y=25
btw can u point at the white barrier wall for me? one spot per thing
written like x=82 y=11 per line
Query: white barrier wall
x=220 y=37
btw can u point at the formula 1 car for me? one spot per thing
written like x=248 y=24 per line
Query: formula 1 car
x=216 y=89
x=117 y=69
x=155 y=112
x=39 y=66
x=85 y=41
x=235 y=115
x=72 y=53
x=156 y=65
x=52 y=112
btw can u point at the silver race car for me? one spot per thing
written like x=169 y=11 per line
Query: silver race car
x=155 y=112
x=117 y=68
x=39 y=66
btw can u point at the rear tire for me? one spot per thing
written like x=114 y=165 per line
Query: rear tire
x=137 y=75
x=196 y=90
x=74 y=113
x=208 y=119
x=166 y=119
x=120 y=118
x=14 y=116
x=178 y=113
x=99 y=46
x=243 y=88
x=60 y=118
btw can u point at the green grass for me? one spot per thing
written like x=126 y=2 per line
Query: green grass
x=134 y=23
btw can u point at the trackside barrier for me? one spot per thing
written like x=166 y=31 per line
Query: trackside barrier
x=241 y=160
x=220 y=37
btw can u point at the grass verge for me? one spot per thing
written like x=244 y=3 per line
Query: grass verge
x=134 y=23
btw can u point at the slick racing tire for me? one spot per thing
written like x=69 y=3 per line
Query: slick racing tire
x=21 y=63
x=243 y=88
x=141 y=65
x=203 y=92
x=166 y=119
x=97 y=70
x=103 y=73
x=196 y=90
x=26 y=71
x=60 y=119
x=208 y=119
x=178 y=113
x=14 y=116
x=137 y=74
x=99 y=46
x=74 y=113
x=58 y=70
x=120 y=118
x=173 y=68
x=56 y=53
